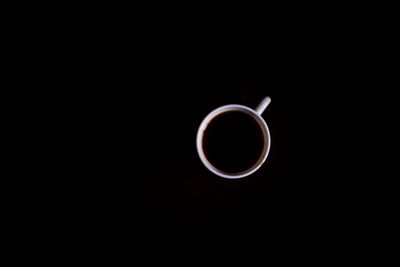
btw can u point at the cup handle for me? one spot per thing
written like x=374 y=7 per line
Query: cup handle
x=263 y=105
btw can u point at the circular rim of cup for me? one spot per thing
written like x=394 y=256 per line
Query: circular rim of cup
x=233 y=107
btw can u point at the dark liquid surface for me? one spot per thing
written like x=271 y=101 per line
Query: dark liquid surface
x=233 y=142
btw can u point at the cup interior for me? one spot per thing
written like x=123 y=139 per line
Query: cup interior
x=265 y=140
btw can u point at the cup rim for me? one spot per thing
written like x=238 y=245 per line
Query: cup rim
x=233 y=107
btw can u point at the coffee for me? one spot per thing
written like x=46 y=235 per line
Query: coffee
x=233 y=142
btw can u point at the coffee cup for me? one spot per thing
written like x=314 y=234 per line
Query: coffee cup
x=233 y=141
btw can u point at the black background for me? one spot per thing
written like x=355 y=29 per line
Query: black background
x=110 y=107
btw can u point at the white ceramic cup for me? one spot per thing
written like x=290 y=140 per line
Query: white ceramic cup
x=256 y=115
